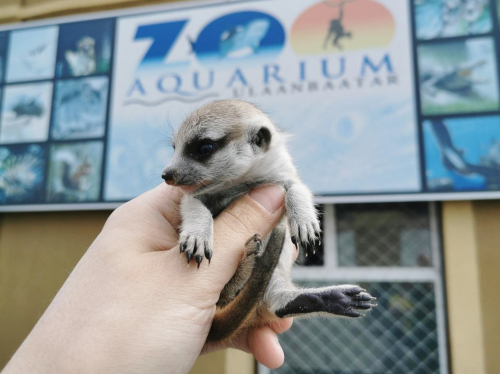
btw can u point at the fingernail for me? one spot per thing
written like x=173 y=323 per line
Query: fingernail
x=270 y=197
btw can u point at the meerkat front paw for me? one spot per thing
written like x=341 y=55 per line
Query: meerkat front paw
x=305 y=231
x=302 y=217
x=196 y=246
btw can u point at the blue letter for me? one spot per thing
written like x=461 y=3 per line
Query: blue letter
x=238 y=75
x=375 y=68
x=137 y=85
x=274 y=74
x=324 y=64
x=177 y=87
x=196 y=81
x=163 y=34
x=302 y=71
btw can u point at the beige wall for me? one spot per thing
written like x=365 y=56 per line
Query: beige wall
x=38 y=250
x=487 y=224
x=22 y=10
x=471 y=236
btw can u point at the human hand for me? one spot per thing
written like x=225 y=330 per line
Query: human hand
x=131 y=305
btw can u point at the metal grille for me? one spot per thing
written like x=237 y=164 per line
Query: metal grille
x=392 y=251
x=383 y=235
x=398 y=337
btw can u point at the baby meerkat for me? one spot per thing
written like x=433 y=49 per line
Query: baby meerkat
x=222 y=151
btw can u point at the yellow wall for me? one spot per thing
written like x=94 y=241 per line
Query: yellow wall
x=487 y=224
x=38 y=250
x=471 y=235
x=22 y=10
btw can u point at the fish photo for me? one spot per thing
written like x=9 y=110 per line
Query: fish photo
x=21 y=174
x=85 y=48
x=75 y=172
x=32 y=54
x=448 y=18
x=459 y=159
x=458 y=77
x=26 y=113
x=80 y=108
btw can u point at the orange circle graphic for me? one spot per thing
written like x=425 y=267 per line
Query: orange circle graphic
x=335 y=26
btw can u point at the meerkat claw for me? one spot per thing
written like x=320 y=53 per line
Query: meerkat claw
x=208 y=255
x=183 y=247
x=199 y=259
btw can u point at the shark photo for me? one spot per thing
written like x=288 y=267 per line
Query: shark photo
x=458 y=158
x=458 y=77
x=26 y=113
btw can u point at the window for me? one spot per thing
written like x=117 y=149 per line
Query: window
x=392 y=250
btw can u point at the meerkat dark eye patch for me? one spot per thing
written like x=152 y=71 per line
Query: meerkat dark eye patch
x=202 y=149
x=262 y=138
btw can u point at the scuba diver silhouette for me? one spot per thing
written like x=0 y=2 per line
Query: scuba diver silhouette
x=336 y=29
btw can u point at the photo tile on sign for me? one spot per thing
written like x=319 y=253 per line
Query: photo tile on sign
x=22 y=169
x=449 y=18
x=32 y=54
x=462 y=154
x=85 y=48
x=458 y=77
x=75 y=172
x=498 y=9
x=26 y=113
x=3 y=54
x=80 y=108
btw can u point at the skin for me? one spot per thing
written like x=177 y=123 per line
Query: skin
x=132 y=305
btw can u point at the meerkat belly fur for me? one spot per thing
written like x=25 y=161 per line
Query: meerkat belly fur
x=222 y=151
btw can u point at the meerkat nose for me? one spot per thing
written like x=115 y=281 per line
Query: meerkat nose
x=169 y=176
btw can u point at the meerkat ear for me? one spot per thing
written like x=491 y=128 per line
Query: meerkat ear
x=262 y=138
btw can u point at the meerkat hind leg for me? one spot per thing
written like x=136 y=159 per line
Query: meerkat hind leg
x=232 y=317
x=342 y=301
x=253 y=250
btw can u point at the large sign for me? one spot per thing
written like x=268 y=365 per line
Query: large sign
x=384 y=99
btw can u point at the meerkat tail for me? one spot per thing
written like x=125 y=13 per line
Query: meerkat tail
x=227 y=321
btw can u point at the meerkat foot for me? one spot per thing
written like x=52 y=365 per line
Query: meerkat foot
x=254 y=246
x=343 y=301
x=253 y=250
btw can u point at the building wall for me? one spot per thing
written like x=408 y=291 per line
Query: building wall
x=471 y=240
x=39 y=250
x=487 y=223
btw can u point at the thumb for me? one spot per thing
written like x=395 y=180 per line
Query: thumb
x=257 y=212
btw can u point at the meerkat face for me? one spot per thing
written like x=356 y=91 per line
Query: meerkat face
x=218 y=144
